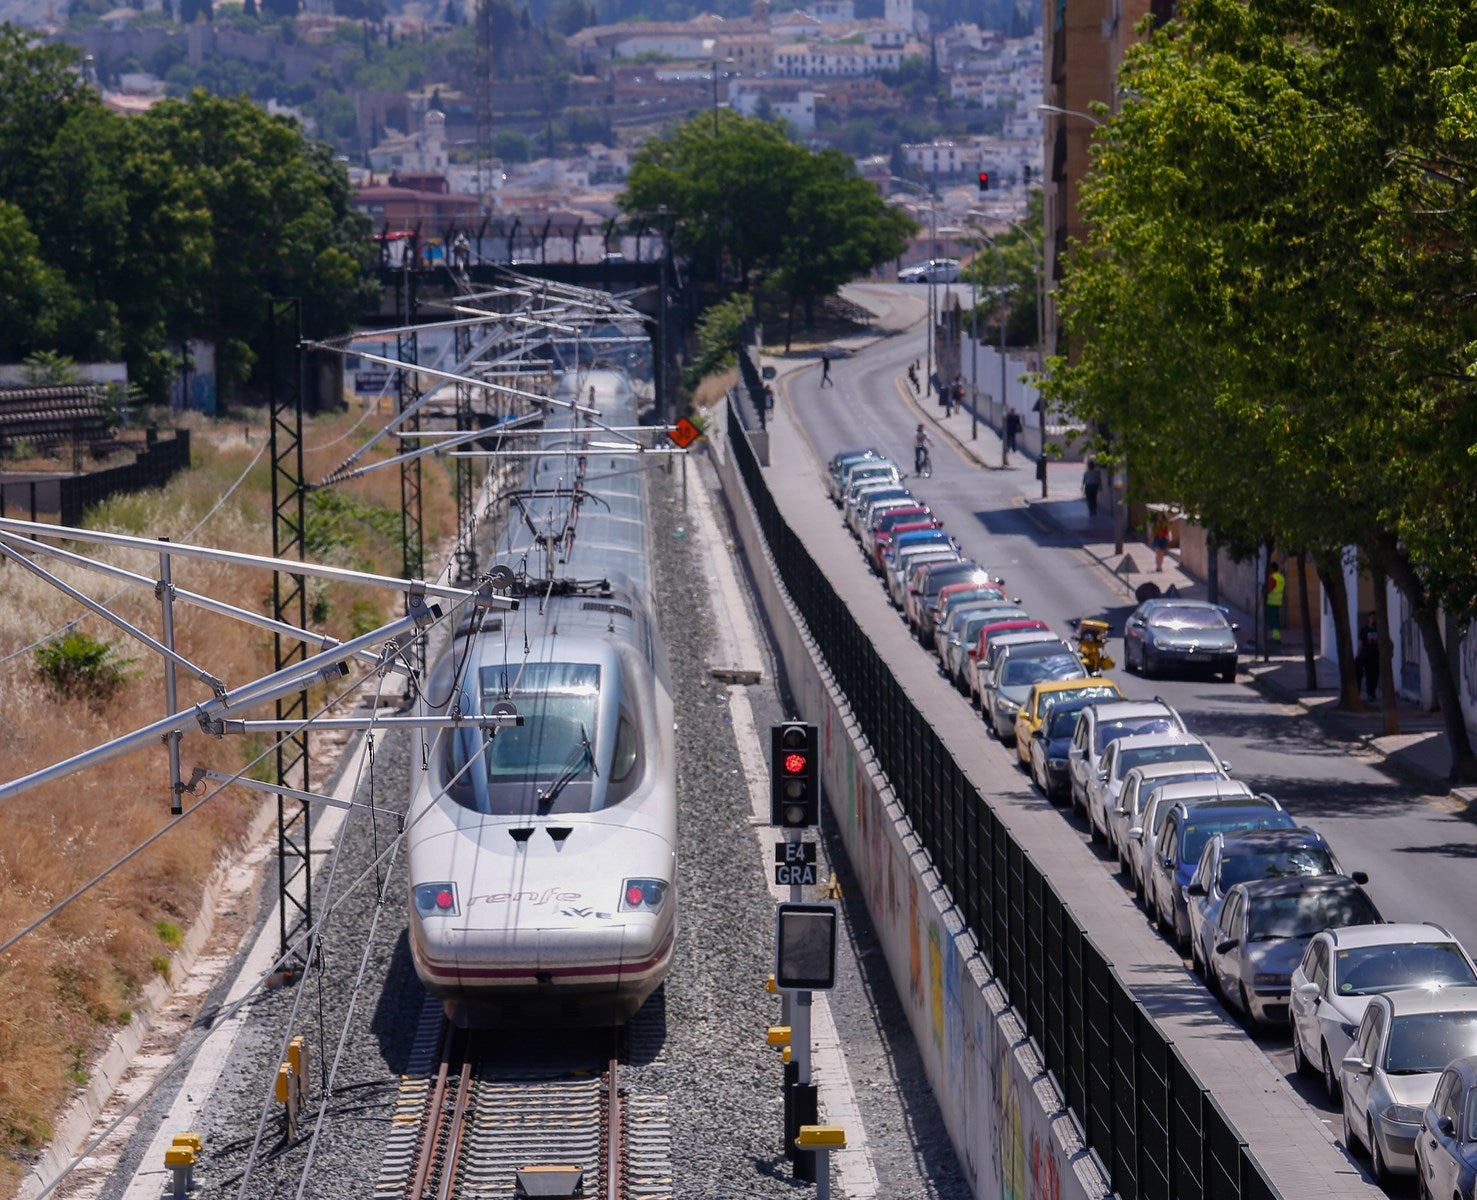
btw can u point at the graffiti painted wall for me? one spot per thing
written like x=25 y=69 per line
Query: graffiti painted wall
x=1006 y=1122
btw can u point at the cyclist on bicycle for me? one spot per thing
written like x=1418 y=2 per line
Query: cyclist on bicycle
x=921 y=440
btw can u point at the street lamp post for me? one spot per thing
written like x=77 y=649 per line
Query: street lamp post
x=1037 y=269
x=1004 y=418
x=715 y=93
x=932 y=304
x=1000 y=254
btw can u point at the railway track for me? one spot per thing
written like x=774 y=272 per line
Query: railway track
x=487 y=1114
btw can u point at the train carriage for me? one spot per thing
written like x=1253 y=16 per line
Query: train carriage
x=543 y=856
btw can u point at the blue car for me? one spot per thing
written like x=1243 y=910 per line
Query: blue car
x=1187 y=827
x=1049 y=746
x=1446 y=1150
x=916 y=537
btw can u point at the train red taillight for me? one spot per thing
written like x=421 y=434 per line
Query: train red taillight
x=436 y=900
x=643 y=895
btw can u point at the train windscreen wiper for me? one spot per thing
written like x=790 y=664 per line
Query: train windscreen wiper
x=583 y=754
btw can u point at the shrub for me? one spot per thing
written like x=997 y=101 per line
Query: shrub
x=78 y=667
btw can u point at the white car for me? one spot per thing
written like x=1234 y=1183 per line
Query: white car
x=1101 y=724
x=1404 y=1041
x=1144 y=836
x=935 y=270
x=1105 y=785
x=1138 y=787
x=1342 y=969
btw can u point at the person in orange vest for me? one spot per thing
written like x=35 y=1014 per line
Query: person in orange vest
x=1275 y=590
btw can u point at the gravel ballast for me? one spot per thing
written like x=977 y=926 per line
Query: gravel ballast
x=722 y=1081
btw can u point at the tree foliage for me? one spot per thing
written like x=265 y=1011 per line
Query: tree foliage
x=124 y=236
x=1271 y=312
x=738 y=186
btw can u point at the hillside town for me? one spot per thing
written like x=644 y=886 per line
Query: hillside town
x=420 y=160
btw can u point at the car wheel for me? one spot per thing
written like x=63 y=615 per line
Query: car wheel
x=1148 y=667
x=1229 y=674
x=1377 y=1165
x=1351 y=1143
x=1331 y=1083
x=1300 y=1062
x=1195 y=964
x=1244 y=1002
x=1093 y=831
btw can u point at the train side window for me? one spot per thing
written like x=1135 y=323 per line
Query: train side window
x=627 y=750
x=625 y=761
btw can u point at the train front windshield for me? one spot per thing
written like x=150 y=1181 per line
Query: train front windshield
x=545 y=765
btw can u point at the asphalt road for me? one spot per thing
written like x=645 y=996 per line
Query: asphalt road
x=1419 y=850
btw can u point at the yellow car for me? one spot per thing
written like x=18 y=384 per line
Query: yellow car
x=1049 y=692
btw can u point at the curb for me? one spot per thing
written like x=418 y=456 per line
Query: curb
x=1418 y=776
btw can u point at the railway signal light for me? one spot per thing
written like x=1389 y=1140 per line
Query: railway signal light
x=984 y=181
x=794 y=776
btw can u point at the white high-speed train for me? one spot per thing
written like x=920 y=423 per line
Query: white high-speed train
x=543 y=857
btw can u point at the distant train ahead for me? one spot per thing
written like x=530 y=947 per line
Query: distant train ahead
x=543 y=858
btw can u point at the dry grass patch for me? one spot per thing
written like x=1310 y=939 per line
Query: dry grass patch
x=66 y=986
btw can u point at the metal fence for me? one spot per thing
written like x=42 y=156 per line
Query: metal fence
x=69 y=496
x=1157 y=1131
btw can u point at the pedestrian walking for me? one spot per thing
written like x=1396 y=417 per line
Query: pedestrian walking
x=959 y=391
x=913 y=376
x=1275 y=590
x=826 y=371
x=921 y=464
x=1092 y=484
x=1013 y=427
x=1367 y=657
x=1159 y=539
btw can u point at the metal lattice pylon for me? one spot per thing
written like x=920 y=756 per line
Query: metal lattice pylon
x=412 y=529
x=290 y=605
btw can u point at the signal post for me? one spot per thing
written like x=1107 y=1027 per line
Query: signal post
x=805 y=934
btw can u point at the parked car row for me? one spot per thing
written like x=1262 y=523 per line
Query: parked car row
x=1385 y=1013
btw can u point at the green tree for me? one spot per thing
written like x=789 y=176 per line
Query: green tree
x=36 y=304
x=719 y=338
x=776 y=209
x=512 y=146
x=280 y=222
x=836 y=228
x=40 y=87
x=1264 y=313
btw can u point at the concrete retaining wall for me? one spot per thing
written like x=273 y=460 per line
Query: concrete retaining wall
x=1010 y=1131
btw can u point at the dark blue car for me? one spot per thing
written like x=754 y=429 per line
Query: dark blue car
x=1187 y=828
x=1049 y=745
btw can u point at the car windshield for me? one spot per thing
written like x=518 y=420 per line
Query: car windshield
x=970 y=596
x=1370 y=970
x=1197 y=832
x=1425 y=1042
x=1142 y=756
x=1088 y=691
x=1020 y=672
x=1107 y=731
x=1307 y=913
x=1188 y=618
x=1276 y=864
x=1063 y=721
